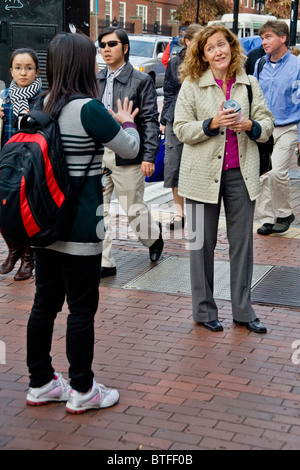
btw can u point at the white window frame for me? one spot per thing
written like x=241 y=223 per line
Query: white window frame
x=108 y=6
x=172 y=14
x=142 y=11
x=159 y=15
x=123 y=4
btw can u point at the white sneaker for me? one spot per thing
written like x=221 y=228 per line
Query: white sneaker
x=57 y=389
x=98 y=397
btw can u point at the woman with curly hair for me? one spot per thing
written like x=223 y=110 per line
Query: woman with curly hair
x=220 y=161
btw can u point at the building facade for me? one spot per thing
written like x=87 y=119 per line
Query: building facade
x=151 y=11
x=155 y=15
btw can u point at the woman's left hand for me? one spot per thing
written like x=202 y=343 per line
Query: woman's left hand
x=125 y=111
x=242 y=124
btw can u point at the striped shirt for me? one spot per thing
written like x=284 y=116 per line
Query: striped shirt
x=85 y=127
x=107 y=97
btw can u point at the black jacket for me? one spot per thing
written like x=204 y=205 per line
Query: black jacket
x=253 y=56
x=172 y=86
x=139 y=88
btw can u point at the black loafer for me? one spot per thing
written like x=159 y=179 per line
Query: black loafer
x=108 y=271
x=265 y=229
x=256 y=326
x=282 y=224
x=214 y=325
x=156 y=249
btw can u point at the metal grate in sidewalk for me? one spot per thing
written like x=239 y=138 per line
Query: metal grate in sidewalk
x=271 y=285
x=173 y=276
x=281 y=287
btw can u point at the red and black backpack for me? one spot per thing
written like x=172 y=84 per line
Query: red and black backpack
x=37 y=201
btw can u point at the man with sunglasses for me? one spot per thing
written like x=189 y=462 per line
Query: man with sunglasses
x=127 y=179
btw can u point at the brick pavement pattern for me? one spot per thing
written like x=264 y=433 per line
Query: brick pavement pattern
x=181 y=386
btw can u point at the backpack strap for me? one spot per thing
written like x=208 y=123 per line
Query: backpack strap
x=250 y=97
x=261 y=64
x=41 y=118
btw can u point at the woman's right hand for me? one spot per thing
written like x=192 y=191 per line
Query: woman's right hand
x=125 y=113
x=224 y=118
x=1 y=112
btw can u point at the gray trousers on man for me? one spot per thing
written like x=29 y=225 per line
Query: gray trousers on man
x=203 y=228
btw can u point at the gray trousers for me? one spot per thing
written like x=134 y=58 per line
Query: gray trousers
x=202 y=222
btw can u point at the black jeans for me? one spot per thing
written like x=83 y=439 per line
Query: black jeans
x=61 y=276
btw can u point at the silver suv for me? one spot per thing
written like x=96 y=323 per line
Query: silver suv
x=146 y=52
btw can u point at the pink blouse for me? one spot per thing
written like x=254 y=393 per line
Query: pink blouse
x=231 y=157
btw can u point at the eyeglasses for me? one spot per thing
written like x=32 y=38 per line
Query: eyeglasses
x=26 y=69
x=109 y=44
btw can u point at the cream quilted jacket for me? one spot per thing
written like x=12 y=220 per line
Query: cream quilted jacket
x=202 y=156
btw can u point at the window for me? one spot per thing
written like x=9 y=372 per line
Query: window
x=107 y=12
x=122 y=14
x=159 y=15
x=172 y=14
x=141 y=11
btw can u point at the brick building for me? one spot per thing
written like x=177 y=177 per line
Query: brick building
x=150 y=12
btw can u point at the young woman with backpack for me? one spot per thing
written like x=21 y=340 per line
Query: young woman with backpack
x=70 y=269
x=17 y=100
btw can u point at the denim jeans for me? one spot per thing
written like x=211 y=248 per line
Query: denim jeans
x=61 y=276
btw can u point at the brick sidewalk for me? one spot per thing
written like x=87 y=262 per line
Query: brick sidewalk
x=181 y=386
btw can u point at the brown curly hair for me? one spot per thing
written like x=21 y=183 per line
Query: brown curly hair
x=194 y=66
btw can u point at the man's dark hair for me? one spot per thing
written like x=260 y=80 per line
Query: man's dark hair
x=122 y=36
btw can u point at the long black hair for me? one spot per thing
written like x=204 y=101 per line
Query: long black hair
x=70 y=70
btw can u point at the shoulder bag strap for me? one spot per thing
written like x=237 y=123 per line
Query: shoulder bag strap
x=261 y=64
x=1 y=123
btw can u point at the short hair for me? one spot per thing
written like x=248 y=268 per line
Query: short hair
x=25 y=50
x=122 y=36
x=194 y=66
x=280 y=28
x=190 y=32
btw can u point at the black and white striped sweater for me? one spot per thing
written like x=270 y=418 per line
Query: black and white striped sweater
x=86 y=125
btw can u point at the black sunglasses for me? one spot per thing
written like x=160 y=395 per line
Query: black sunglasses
x=109 y=44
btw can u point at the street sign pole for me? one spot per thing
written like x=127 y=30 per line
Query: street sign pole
x=294 y=20
x=236 y=16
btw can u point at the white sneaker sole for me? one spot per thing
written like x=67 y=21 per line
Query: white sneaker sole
x=90 y=406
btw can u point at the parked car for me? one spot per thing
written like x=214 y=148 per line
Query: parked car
x=145 y=55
